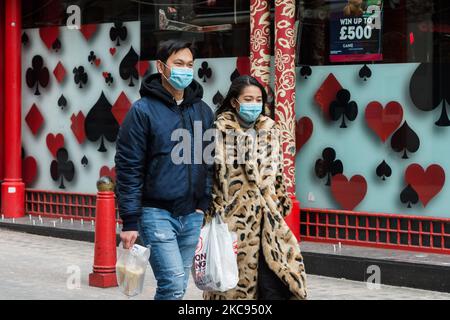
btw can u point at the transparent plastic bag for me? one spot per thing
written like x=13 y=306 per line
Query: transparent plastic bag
x=130 y=268
x=215 y=262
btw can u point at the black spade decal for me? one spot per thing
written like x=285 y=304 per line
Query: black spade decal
x=305 y=72
x=409 y=196
x=127 y=67
x=365 y=72
x=384 y=170
x=62 y=102
x=405 y=139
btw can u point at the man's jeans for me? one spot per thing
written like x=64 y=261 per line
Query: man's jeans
x=173 y=241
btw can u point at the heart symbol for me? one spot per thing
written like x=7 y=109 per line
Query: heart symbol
x=348 y=193
x=97 y=62
x=29 y=170
x=54 y=143
x=112 y=51
x=88 y=30
x=107 y=172
x=385 y=121
x=49 y=35
x=303 y=132
x=105 y=74
x=427 y=183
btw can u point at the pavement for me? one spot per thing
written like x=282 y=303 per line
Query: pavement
x=45 y=268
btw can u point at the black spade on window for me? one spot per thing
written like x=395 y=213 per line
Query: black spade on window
x=328 y=166
x=409 y=196
x=62 y=168
x=37 y=74
x=305 y=72
x=430 y=88
x=384 y=170
x=365 y=72
x=25 y=39
x=205 y=71
x=405 y=139
x=80 y=76
x=62 y=102
x=84 y=161
x=218 y=98
x=127 y=67
x=343 y=108
x=56 y=45
x=100 y=123
x=118 y=32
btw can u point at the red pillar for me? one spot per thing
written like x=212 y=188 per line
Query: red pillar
x=2 y=91
x=285 y=79
x=13 y=189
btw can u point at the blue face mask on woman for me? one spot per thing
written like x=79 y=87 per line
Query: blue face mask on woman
x=250 y=111
x=180 y=78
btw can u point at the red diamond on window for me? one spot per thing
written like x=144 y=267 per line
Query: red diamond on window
x=78 y=127
x=34 y=119
x=59 y=72
x=142 y=67
x=327 y=94
x=121 y=107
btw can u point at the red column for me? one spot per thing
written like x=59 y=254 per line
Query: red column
x=2 y=92
x=285 y=79
x=260 y=41
x=13 y=189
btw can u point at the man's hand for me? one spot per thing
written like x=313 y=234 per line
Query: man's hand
x=128 y=238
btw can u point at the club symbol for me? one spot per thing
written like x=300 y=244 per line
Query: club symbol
x=62 y=168
x=365 y=73
x=80 y=76
x=62 y=102
x=405 y=139
x=37 y=74
x=92 y=57
x=205 y=71
x=118 y=32
x=384 y=170
x=127 y=67
x=343 y=108
x=409 y=196
x=429 y=89
x=108 y=78
x=328 y=166
x=305 y=72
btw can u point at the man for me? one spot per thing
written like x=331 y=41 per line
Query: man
x=163 y=199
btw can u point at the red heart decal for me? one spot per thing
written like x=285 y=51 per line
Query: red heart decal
x=49 y=35
x=348 y=193
x=106 y=172
x=112 y=51
x=97 y=62
x=385 y=121
x=29 y=170
x=105 y=74
x=427 y=183
x=88 y=30
x=54 y=143
x=303 y=131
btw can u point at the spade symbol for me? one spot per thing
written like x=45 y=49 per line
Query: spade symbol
x=305 y=72
x=62 y=168
x=405 y=139
x=92 y=57
x=118 y=32
x=234 y=75
x=205 y=71
x=429 y=89
x=343 y=108
x=37 y=74
x=218 y=98
x=25 y=39
x=80 y=76
x=128 y=67
x=384 y=170
x=328 y=166
x=365 y=72
x=56 y=45
x=409 y=196
x=101 y=123
x=84 y=161
x=62 y=102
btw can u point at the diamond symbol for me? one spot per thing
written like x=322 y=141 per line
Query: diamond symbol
x=78 y=127
x=59 y=72
x=34 y=119
x=327 y=94
x=121 y=107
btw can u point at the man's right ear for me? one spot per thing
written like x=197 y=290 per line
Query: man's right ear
x=159 y=66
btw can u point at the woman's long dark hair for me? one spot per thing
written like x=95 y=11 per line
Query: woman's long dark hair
x=237 y=86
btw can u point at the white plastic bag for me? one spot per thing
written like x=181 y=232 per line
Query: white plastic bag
x=130 y=268
x=215 y=262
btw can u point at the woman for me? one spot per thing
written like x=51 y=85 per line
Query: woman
x=249 y=195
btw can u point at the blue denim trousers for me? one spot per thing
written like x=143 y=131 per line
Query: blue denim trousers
x=173 y=241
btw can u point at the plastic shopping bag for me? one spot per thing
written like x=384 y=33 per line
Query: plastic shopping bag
x=130 y=268
x=215 y=262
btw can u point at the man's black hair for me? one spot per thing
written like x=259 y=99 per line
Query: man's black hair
x=169 y=47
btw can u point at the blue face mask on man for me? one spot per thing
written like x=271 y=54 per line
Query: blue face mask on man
x=180 y=78
x=250 y=111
